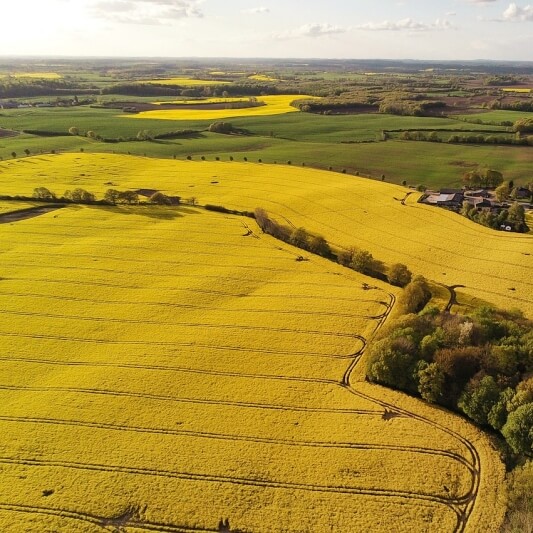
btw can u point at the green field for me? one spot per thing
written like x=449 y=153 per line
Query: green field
x=316 y=140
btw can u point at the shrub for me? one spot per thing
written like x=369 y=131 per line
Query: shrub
x=399 y=275
x=42 y=193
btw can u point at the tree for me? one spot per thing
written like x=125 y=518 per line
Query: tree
x=145 y=135
x=112 y=196
x=391 y=366
x=431 y=382
x=518 y=430
x=502 y=191
x=221 y=127
x=318 y=245
x=129 y=197
x=299 y=238
x=27 y=152
x=80 y=196
x=42 y=193
x=483 y=178
x=345 y=257
x=73 y=130
x=516 y=215
x=91 y=134
x=362 y=261
x=399 y=275
x=160 y=198
x=13 y=155
x=415 y=295
x=479 y=398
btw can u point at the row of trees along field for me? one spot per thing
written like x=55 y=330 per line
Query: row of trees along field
x=359 y=260
x=111 y=197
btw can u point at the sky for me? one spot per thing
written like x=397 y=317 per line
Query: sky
x=347 y=29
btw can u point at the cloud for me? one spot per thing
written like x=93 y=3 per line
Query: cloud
x=256 y=10
x=407 y=24
x=515 y=13
x=311 y=30
x=150 y=12
x=481 y=2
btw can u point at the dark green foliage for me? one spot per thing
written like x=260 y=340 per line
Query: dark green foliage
x=479 y=365
x=518 y=430
x=42 y=193
x=399 y=275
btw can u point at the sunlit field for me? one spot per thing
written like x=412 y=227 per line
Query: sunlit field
x=262 y=77
x=347 y=210
x=273 y=105
x=164 y=369
x=186 y=82
x=35 y=75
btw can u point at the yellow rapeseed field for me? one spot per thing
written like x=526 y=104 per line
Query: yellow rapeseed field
x=493 y=266
x=197 y=101
x=36 y=75
x=186 y=82
x=516 y=90
x=262 y=77
x=163 y=369
x=7 y=206
x=274 y=105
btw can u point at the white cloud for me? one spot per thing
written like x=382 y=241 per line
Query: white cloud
x=407 y=24
x=481 y=2
x=311 y=30
x=257 y=10
x=516 y=13
x=150 y=12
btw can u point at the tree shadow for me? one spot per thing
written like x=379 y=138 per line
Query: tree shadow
x=151 y=211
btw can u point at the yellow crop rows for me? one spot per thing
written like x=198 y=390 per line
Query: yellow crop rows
x=348 y=211
x=273 y=105
x=7 y=206
x=35 y=75
x=165 y=368
x=262 y=77
x=186 y=82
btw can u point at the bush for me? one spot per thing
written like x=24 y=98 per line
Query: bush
x=399 y=275
x=160 y=199
x=362 y=261
x=221 y=127
x=42 y=193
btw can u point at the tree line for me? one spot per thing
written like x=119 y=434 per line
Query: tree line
x=110 y=197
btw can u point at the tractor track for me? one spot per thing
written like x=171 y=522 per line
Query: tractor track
x=196 y=401
x=104 y=523
x=190 y=344
x=451 y=503
x=465 y=509
x=34 y=295
x=240 y=438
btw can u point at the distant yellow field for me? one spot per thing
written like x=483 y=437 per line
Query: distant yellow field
x=262 y=77
x=516 y=90
x=495 y=267
x=274 y=105
x=186 y=82
x=37 y=75
x=165 y=368
x=196 y=101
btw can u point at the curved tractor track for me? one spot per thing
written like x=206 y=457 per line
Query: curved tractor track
x=461 y=505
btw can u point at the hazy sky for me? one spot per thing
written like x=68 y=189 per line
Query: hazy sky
x=416 y=29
